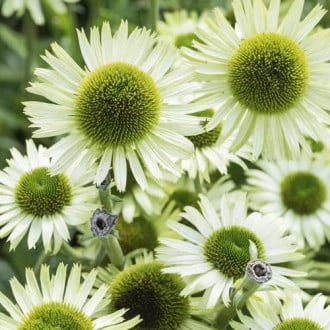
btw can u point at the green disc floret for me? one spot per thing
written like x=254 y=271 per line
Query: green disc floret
x=152 y=294
x=228 y=249
x=268 y=73
x=39 y=194
x=303 y=192
x=55 y=316
x=298 y=323
x=117 y=105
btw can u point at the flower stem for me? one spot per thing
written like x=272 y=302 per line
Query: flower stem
x=114 y=251
x=153 y=14
x=257 y=272
x=30 y=36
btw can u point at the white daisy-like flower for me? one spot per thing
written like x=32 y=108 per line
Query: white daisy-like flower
x=298 y=191
x=9 y=7
x=121 y=107
x=216 y=249
x=179 y=27
x=36 y=204
x=60 y=302
x=268 y=77
x=145 y=290
x=211 y=153
x=291 y=314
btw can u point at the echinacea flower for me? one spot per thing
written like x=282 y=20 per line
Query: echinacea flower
x=298 y=191
x=291 y=314
x=216 y=249
x=179 y=27
x=37 y=204
x=9 y=7
x=122 y=107
x=268 y=77
x=211 y=154
x=60 y=302
x=145 y=290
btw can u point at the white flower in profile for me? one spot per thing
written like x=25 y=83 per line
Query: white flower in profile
x=298 y=191
x=123 y=107
x=37 y=205
x=269 y=313
x=179 y=27
x=268 y=77
x=216 y=249
x=60 y=302
x=9 y=7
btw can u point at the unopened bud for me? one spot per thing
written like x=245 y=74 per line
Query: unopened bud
x=102 y=222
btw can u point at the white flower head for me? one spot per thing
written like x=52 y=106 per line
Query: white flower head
x=60 y=302
x=179 y=27
x=269 y=312
x=211 y=152
x=121 y=107
x=217 y=248
x=39 y=205
x=145 y=290
x=10 y=7
x=298 y=191
x=268 y=77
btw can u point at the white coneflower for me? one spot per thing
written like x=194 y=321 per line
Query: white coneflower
x=179 y=27
x=145 y=290
x=298 y=191
x=39 y=205
x=121 y=107
x=268 y=77
x=60 y=302
x=267 y=313
x=211 y=154
x=216 y=249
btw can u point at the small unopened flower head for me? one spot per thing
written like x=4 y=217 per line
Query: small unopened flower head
x=102 y=222
x=259 y=271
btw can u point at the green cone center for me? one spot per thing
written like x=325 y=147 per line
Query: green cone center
x=298 y=323
x=207 y=139
x=303 y=192
x=154 y=295
x=228 y=249
x=117 y=105
x=268 y=73
x=55 y=316
x=39 y=194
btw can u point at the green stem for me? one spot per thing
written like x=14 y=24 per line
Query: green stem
x=30 y=38
x=153 y=14
x=42 y=258
x=114 y=251
x=257 y=272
